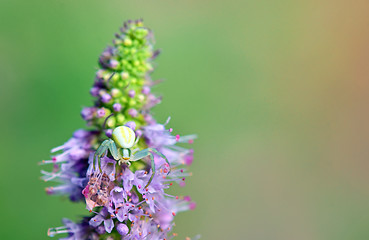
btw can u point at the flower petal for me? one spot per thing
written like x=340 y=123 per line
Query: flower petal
x=96 y=221
x=109 y=224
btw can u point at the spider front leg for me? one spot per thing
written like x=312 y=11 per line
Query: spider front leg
x=149 y=152
x=101 y=151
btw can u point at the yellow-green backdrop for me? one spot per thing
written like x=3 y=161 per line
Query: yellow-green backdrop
x=276 y=90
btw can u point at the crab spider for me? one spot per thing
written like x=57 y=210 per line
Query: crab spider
x=123 y=139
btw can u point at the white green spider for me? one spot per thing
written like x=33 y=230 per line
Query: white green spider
x=123 y=139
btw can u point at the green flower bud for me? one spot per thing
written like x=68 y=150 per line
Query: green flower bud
x=127 y=41
x=132 y=102
x=125 y=75
x=111 y=122
x=116 y=92
x=141 y=33
x=120 y=119
x=140 y=97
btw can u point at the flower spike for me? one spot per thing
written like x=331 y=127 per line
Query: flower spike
x=123 y=165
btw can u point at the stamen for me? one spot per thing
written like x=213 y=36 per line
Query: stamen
x=51 y=232
x=168 y=195
x=51 y=175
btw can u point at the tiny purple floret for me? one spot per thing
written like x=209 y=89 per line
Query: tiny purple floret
x=122 y=229
x=117 y=107
x=113 y=63
x=95 y=91
x=101 y=112
x=87 y=113
x=105 y=98
x=145 y=90
x=131 y=93
x=109 y=132
x=131 y=125
x=133 y=112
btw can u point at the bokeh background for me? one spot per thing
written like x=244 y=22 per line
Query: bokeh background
x=276 y=90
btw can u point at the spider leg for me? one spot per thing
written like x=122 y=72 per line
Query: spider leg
x=135 y=150
x=137 y=139
x=140 y=154
x=149 y=152
x=153 y=150
x=113 y=149
x=100 y=152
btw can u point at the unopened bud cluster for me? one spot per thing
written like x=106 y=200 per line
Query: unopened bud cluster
x=122 y=85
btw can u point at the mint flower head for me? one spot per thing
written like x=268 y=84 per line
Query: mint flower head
x=123 y=164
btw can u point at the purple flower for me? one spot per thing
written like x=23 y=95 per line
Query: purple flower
x=105 y=217
x=101 y=112
x=127 y=179
x=70 y=166
x=117 y=107
x=147 y=230
x=87 y=113
x=95 y=91
x=145 y=90
x=133 y=112
x=109 y=132
x=149 y=119
x=105 y=98
x=131 y=93
x=188 y=159
x=152 y=100
x=113 y=63
x=118 y=196
x=75 y=231
x=131 y=125
x=122 y=229
x=156 y=136
x=121 y=211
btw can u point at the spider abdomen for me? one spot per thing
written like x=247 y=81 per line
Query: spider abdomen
x=124 y=137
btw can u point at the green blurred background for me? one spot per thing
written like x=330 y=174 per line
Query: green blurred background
x=276 y=90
